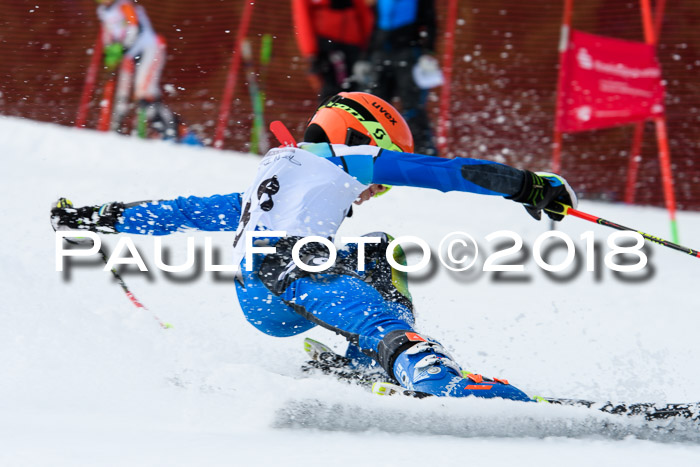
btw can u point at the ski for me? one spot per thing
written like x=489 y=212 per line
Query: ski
x=649 y=410
x=325 y=361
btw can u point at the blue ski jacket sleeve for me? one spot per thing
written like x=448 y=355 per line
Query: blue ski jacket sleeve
x=223 y=212
x=163 y=217
x=458 y=174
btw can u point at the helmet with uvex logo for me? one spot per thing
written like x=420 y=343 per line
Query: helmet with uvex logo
x=356 y=118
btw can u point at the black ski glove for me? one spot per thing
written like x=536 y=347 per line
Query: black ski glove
x=548 y=192
x=100 y=219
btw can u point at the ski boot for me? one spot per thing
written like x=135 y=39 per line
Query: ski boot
x=159 y=117
x=426 y=367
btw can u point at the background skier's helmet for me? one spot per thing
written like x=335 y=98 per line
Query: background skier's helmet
x=356 y=118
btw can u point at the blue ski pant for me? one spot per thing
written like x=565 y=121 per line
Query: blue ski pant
x=343 y=303
x=363 y=306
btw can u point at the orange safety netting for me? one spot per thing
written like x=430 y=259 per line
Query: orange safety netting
x=503 y=92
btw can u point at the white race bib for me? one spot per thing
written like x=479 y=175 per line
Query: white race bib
x=298 y=192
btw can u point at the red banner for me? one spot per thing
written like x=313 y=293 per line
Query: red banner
x=608 y=82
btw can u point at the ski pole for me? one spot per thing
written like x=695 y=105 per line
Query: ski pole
x=130 y=294
x=90 y=80
x=124 y=287
x=599 y=220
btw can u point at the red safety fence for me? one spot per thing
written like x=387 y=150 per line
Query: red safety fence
x=502 y=97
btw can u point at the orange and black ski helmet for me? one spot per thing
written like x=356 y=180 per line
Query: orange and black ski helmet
x=356 y=118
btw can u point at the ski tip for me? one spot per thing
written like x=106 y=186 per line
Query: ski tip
x=390 y=389
x=382 y=388
x=315 y=348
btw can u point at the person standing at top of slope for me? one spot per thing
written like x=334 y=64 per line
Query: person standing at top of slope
x=354 y=145
x=331 y=35
x=131 y=44
x=403 y=38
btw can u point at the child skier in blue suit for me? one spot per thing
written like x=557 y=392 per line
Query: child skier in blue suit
x=354 y=146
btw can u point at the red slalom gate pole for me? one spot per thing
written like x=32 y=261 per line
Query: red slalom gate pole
x=651 y=238
x=651 y=36
x=232 y=76
x=447 y=65
x=659 y=17
x=90 y=80
x=563 y=46
x=106 y=104
x=635 y=153
x=666 y=173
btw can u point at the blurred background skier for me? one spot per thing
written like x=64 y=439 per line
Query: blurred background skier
x=354 y=146
x=133 y=48
x=332 y=35
x=403 y=40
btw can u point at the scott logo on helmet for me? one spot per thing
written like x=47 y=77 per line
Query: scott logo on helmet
x=385 y=112
x=379 y=133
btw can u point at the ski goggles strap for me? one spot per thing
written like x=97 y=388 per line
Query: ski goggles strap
x=376 y=130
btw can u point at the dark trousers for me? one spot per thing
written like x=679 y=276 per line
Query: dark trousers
x=334 y=64
x=393 y=77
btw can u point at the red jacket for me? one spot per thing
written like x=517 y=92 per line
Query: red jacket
x=317 y=18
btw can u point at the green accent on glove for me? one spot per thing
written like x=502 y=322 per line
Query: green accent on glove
x=113 y=55
x=63 y=203
x=103 y=219
x=545 y=191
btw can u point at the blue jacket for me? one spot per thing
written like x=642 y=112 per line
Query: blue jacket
x=223 y=212
x=404 y=23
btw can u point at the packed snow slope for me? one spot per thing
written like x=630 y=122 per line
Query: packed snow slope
x=88 y=379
